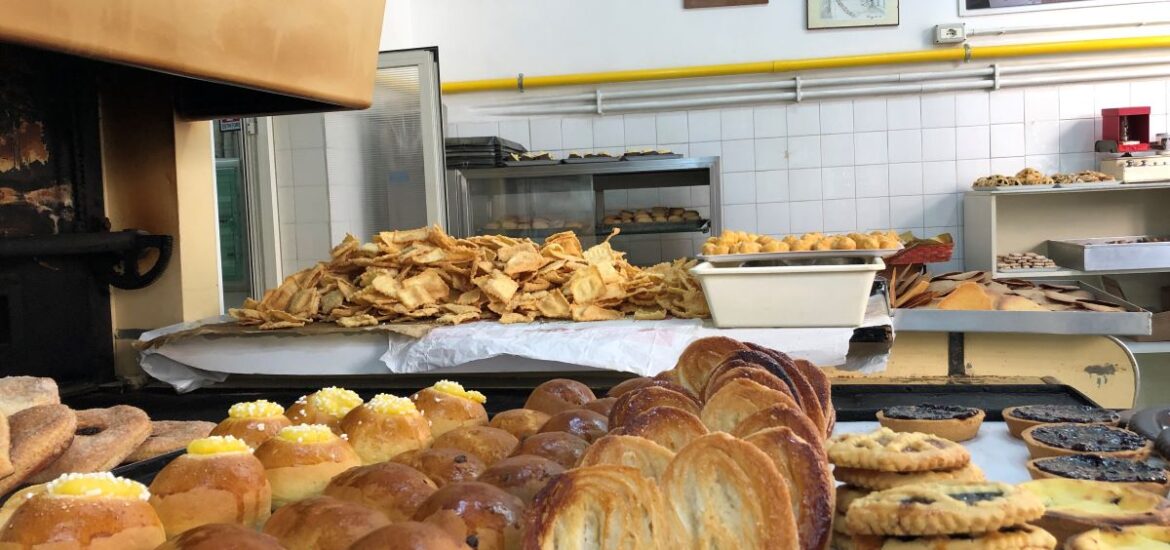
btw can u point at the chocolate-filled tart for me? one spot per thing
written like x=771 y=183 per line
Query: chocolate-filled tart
x=1137 y=474
x=952 y=422
x=1069 y=439
x=1023 y=417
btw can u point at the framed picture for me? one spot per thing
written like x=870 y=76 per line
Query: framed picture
x=689 y=4
x=992 y=7
x=833 y=14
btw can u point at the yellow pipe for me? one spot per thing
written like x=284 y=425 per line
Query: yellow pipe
x=815 y=63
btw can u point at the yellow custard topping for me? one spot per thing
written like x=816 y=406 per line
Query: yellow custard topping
x=98 y=485
x=335 y=401
x=307 y=433
x=384 y=403
x=454 y=388
x=217 y=445
x=255 y=409
x=1092 y=498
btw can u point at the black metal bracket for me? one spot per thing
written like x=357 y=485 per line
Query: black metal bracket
x=956 y=356
x=114 y=257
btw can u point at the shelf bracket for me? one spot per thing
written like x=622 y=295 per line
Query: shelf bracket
x=597 y=99
x=995 y=76
x=799 y=92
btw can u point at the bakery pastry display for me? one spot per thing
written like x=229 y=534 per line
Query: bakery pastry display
x=326 y=406
x=561 y=447
x=300 y=460
x=670 y=427
x=410 y=535
x=878 y=480
x=696 y=362
x=942 y=509
x=103 y=439
x=83 y=511
x=18 y=393
x=803 y=468
x=741 y=242
x=1032 y=176
x=738 y=400
x=658 y=214
x=448 y=406
x=1023 y=417
x=385 y=427
x=490 y=445
x=1075 y=506
x=1137 y=474
x=889 y=451
x=523 y=476
x=782 y=416
x=519 y=422
x=1135 y=537
x=253 y=421
x=633 y=403
x=1017 y=537
x=394 y=489
x=977 y=290
x=493 y=516
x=222 y=536
x=952 y=422
x=648 y=457
x=168 y=436
x=584 y=423
x=1016 y=261
x=524 y=223
x=1066 y=439
x=443 y=466
x=39 y=435
x=322 y=523
x=216 y=481
x=558 y=395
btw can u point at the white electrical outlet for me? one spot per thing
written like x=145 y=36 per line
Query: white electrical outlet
x=950 y=34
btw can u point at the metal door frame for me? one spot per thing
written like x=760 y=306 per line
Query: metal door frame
x=431 y=123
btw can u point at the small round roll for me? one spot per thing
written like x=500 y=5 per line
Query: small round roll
x=253 y=421
x=386 y=427
x=443 y=466
x=523 y=476
x=490 y=445
x=325 y=406
x=300 y=460
x=221 y=536
x=519 y=422
x=394 y=489
x=602 y=405
x=323 y=523
x=560 y=447
x=84 y=511
x=559 y=394
x=583 y=423
x=490 y=513
x=216 y=481
x=448 y=406
x=410 y=535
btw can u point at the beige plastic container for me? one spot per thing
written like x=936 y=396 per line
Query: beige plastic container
x=788 y=296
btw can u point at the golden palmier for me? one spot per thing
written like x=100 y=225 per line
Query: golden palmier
x=635 y=402
x=253 y=421
x=700 y=358
x=737 y=400
x=670 y=427
x=322 y=523
x=781 y=416
x=216 y=481
x=639 y=453
x=394 y=489
x=448 y=406
x=300 y=460
x=810 y=485
x=385 y=427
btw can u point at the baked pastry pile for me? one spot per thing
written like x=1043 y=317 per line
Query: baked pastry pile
x=1032 y=176
x=740 y=242
x=977 y=290
x=538 y=222
x=658 y=214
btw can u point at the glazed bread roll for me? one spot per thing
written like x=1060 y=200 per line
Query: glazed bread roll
x=523 y=476
x=583 y=423
x=490 y=445
x=701 y=357
x=443 y=466
x=560 y=447
x=559 y=394
x=216 y=481
x=253 y=421
x=646 y=456
x=670 y=427
x=85 y=511
x=519 y=422
x=222 y=536
x=448 y=406
x=325 y=406
x=300 y=460
x=410 y=535
x=322 y=523
x=385 y=427
x=491 y=514
x=394 y=489
x=810 y=485
x=782 y=416
x=635 y=402
x=737 y=400
x=602 y=405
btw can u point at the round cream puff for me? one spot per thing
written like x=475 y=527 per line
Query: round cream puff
x=253 y=421
x=216 y=481
x=385 y=427
x=448 y=406
x=394 y=489
x=300 y=460
x=86 y=511
x=222 y=536
x=325 y=406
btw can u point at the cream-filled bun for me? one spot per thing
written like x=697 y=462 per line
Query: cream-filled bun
x=218 y=480
x=325 y=406
x=253 y=421
x=300 y=460
x=85 y=512
x=448 y=406
x=385 y=427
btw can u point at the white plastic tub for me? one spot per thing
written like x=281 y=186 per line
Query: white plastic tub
x=788 y=296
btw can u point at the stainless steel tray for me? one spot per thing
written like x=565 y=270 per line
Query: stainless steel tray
x=724 y=260
x=1133 y=322
x=1098 y=255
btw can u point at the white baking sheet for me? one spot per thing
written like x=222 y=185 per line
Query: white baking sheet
x=1000 y=456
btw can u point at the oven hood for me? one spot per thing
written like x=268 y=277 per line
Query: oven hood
x=229 y=57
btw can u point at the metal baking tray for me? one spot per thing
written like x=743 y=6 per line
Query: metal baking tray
x=694 y=226
x=1099 y=255
x=541 y=162
x=726 y=260
x=628 y=156
x=591 y=160
x=860 y=402
x=1135 y=321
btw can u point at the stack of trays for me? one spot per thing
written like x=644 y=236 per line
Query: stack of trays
x=480 y=152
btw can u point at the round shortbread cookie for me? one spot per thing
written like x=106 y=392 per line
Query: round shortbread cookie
x=889 y=451
x=942 y=509
x=1023 y=537
x=880 y=481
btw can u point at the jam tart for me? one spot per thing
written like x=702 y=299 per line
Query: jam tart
x=889 y=451
x=874 y=480
x=1130 y=473
x=1074 y=506
x=1022 y=537
x=1023 y=417
x=952 y=422
x=942 y=509
x=1138 y=537
x=1068 y=439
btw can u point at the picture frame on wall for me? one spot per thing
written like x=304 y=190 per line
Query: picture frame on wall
x=694 y=4
x=993 y=7
x=836 y=14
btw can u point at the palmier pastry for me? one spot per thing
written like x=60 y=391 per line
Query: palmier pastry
x=700 y=358
x=385 y=427
x=325 y=406
x=560 y=447
x=448 y=406
x=785 y=368
x=1067 y=439
x=628 y=385
x=1023 y=417
x=1073 y=506
x=817 y=381
x=222 y=536
x=443 y=466
x=519 y=422
x=670 y=427
x=662 y=380
x=410 y=535
x=635 y=402
x=253 y=421
x=322 y=523
x=602 y=405
x=104 y=438
x=1138 y=474
x=746 y=371
x=781 y=416
x=810 y=485
x=491 y=514
x=639 y=453
x=491 y=445
x=85 y=511
x=39 y=435
x=18 y=393
x=584 y=423
x=523 y=476
x=738 y=400
x=559 y=394
x=951 y=422
x=168 y=436
x=394 y=489
x=216 y=481
x=300 y=460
